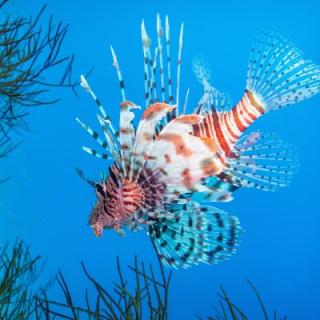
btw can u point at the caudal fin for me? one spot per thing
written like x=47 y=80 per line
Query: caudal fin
x=278 y=74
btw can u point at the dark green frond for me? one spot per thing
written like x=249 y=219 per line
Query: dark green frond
x=18 y=273
x=145 y=298
x=30 y=49
x=228 y=310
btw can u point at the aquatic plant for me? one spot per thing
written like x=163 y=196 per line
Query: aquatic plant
x=119 y=303
x=5 y=148
x=148 y=299
x=18 y=273
x=228 y=310
x=30 y=50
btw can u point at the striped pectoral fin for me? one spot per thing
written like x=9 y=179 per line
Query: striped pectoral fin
x=108 y=145
x=84 y=84
x=110 y=139
x=96 y=154
x=263 y=161
x=104 y=144
x=196 y=234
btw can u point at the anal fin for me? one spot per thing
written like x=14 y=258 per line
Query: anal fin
x=262 y=161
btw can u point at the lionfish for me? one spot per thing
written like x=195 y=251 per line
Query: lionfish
x=166 y=170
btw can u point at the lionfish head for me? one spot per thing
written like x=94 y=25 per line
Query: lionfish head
x=118 y=200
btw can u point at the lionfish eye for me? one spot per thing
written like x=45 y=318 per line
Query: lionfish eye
x=100 y=189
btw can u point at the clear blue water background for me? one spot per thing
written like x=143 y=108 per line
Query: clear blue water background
x=47 y=204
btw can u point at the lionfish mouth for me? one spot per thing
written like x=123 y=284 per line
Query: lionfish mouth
x=97 y=230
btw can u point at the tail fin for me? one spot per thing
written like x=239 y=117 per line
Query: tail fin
x=279 y=75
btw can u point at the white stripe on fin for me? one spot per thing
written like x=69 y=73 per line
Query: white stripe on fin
x=179 y=66
x=95 y=153
x=119 y=74
x=186 y=102
x=167 y=33
x=154 y=95
x=110 y=140
x=84 y=84
x=146 y=44
x=160 y=49
x=94 y=135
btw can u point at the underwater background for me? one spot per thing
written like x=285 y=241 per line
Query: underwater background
x=46 y=204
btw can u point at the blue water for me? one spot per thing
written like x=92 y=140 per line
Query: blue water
x=47 y=204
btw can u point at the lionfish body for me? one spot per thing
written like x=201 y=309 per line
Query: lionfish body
x=167 y=167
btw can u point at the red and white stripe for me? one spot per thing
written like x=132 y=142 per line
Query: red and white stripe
x=225 y=128
x=234 y=122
